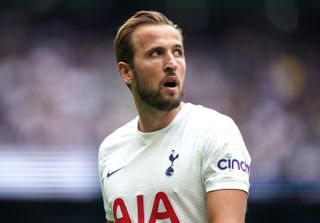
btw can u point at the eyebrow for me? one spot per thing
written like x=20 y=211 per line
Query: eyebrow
x=176 y=46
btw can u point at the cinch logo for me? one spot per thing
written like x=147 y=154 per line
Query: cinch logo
x=230 y=163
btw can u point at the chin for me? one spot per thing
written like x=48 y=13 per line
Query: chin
x=168 y=105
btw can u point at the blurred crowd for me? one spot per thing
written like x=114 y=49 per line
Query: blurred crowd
x=59 y=85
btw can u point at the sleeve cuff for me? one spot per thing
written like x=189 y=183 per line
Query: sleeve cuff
x=227 y=185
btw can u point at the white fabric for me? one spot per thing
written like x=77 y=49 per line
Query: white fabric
x=137 y=162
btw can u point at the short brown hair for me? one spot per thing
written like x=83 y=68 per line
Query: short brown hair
x=122 y=42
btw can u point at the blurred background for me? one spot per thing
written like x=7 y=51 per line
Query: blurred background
x=60 y=95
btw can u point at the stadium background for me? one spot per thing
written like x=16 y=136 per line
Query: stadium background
x=60 y=95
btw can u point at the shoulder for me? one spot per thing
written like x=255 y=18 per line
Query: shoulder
x=211 y=125
x=208 y=118
x=118 y=136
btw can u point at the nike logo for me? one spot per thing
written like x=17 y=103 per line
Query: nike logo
x=113 y=172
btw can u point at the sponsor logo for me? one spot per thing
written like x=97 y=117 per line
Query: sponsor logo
x=161 y=210
x=234 y=164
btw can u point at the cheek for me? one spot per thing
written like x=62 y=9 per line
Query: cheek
x=182 y=63
x=146 y=69
x=182 y=70
x=146 y=79
x=151 y=74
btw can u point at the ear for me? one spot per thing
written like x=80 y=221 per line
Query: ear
x=125 y=72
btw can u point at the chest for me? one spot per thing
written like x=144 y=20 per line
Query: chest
x=147 y=169
x=148 y=180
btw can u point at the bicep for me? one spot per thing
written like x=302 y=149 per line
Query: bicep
x=227 y=206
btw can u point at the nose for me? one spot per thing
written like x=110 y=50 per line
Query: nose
x=170 y=63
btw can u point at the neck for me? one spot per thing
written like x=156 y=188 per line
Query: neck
x=151 y=120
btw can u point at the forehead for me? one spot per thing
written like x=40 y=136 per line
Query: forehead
x=155 y=35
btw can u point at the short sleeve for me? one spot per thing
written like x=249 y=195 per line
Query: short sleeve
x=106 y=204
x=225 y=158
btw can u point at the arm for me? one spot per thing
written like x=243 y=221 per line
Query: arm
x=226 y=206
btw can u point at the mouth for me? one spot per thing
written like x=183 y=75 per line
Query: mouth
x=170 y=83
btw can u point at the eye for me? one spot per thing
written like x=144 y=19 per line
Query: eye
x=155 y=53
x=178 y=53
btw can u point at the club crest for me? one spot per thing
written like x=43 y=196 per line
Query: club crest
x=172 y=158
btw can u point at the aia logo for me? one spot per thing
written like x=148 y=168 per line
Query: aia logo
x=121 y=214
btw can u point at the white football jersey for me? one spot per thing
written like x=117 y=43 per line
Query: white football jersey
x=163 y=176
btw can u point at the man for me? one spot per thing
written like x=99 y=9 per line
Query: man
x=175 y=162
